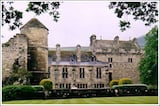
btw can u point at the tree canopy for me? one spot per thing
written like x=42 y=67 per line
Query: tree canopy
x=149 y=63
x=12 y=16
x=145 y=11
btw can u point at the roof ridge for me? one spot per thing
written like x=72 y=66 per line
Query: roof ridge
x=34 y=22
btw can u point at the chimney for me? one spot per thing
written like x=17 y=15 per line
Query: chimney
x=116 y=40
x=78 y=53
x=134 y=41
x=92 y=39
x=58 y=53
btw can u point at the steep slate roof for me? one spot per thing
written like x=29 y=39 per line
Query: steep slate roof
x=101 y=44
x=34 y=23
x=66 y=54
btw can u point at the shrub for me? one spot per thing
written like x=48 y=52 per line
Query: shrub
x=10 y=92
x=46 y=83
x=26 y=92
x=14 y=92
x=113 y=82
x=125 y=81
x=130 y=89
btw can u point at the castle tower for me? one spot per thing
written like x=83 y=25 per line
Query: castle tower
x=37 y=35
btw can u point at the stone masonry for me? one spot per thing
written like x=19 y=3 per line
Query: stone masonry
x=90 y=67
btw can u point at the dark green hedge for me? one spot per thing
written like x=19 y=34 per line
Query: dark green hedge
x=16 y=92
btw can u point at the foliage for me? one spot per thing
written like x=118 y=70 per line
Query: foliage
x=19 y=76
x=113 y=82
x=47 y=83
x=131 y=89
x=148 y=65
x=14 y=92
x=125 y=81
x=144 y=11
x=12 y=16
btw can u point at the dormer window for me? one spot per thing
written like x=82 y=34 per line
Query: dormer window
x=93 y=58
x=73 y=58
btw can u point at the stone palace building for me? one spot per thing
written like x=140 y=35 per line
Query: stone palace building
x=73 y=67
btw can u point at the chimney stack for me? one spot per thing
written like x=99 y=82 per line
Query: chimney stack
x=78 y=53
x=58 y=53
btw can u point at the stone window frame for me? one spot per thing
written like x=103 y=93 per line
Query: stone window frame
x=110 y=59
x=98 y=73
x=130 y=60
x=64 y=72
x=61 y=85
x=82 y=85
x=99 y=85
x=81 y=72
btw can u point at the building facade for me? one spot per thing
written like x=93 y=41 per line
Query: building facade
x=79 y=67
x=97 y=65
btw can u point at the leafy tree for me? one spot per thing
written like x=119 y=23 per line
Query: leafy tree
x=145 y=11
x=149 y=63
x=19 y=76
x=12 y=16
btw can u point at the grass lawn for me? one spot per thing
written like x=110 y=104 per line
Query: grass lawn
x=96 y=100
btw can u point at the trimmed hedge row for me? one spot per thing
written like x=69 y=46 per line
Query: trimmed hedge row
x=19 y=92
x=120 y=81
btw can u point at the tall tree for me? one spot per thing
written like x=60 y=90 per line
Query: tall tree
x=149 y=63
x=144 y=11
x=12 y=16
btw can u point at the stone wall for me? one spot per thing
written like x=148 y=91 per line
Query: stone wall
x=122 y=56
x=14 y=49
x=74 y=76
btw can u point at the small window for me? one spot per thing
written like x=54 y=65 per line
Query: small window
x=109 y=59
x=130 y=60
x=82 y=73
x=61 y=85
x=98 y=75
x=65 y=72
x=110 y=66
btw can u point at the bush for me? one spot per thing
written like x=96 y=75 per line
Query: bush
x=14 y=92
x=46 y=83
x=125 y=81
x=130 y=89
x=113 y=82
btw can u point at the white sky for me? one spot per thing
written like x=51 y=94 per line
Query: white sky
x=78 y=21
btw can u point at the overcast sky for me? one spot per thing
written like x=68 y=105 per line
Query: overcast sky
x=78 y=21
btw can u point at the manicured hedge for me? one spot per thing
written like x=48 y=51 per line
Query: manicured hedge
x=17 y=92
x=47 y=84
x=14 y=92
x=113 y=82
x=125 y=81
x=130 y=89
